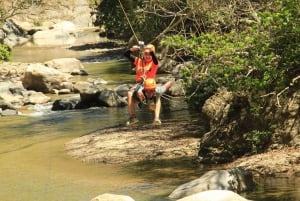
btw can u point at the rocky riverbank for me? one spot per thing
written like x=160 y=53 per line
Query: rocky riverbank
x=172 y=140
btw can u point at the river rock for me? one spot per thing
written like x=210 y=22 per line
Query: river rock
x=66 y=65
x=235 y=179
x=10 y=70
x=214 y=195
x=4 y=105
x=112 y=197
x=123 y=89
x=53 y=38
x=176 y=89
x=110 y=98
x=41 y=78
x=84 y=87
x=14 y=35
x=33 y=97
x=12 y=93
x=67 y=104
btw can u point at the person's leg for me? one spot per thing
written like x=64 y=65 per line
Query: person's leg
x=131 y=108
x=129 y=101
x=159 y=92
x=141 y=96
x=157 y=111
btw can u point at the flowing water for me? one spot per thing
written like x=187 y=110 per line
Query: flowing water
x=34 y=165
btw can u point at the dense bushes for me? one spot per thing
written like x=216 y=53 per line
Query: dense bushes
x=260 y=59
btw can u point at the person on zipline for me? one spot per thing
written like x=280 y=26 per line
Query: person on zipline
x=150 y=92
x=146 y=66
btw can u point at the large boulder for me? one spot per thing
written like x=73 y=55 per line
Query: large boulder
x=236 y=179
x=110 y=98
x=61 y=33
x=229 y=118
x=53 y=38
x=41 y=78
x=214 y=195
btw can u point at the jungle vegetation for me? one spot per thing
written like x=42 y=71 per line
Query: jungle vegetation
x=251 y=46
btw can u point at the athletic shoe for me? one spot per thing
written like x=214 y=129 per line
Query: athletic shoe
x=132 y=120
x=156 y=122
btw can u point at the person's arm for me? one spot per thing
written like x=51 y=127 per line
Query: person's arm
x=128 y=54
x=154 y=58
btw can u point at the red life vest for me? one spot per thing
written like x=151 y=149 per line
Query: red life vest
x=144 y=68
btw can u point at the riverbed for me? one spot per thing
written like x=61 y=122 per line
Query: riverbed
x=35 y=166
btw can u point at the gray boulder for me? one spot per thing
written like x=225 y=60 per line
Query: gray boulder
x=236 y=179
x=110 y=98
x=122 y=90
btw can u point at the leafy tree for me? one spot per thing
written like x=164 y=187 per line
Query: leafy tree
x=285 y=26
x=9 y=9
x=112 y=17
x=259 y=59
x=14 y=7
x=155 y=19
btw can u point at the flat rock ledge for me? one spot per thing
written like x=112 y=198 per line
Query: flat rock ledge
x=124 y=145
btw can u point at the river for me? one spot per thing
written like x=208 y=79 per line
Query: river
x=34 y=165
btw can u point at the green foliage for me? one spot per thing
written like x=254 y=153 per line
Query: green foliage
x=148 y=18
x=259 y=59
x=257 y=140
x=286 y=36
x=239 y=61
x=5 y=53
x=111 y=16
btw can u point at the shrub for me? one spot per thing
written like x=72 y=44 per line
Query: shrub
x=5 y=53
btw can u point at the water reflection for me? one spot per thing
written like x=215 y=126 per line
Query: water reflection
x=277 y=189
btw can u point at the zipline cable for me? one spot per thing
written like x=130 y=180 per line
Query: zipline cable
x=128 y=21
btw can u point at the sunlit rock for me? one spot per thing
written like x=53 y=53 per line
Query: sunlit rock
x=41 y=78
x=214 y=195
x=112 y=197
